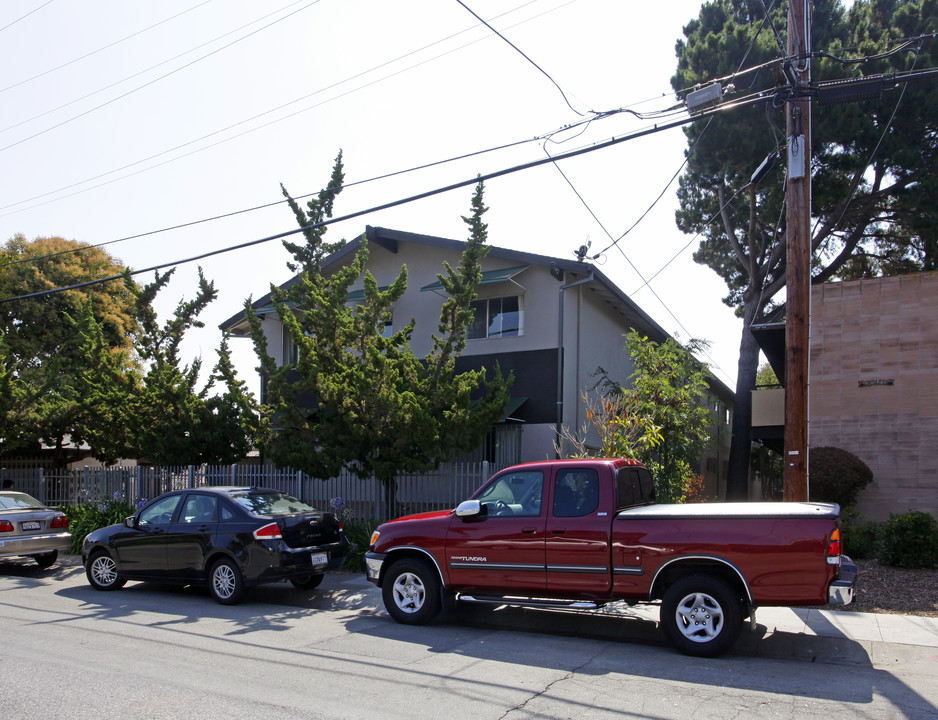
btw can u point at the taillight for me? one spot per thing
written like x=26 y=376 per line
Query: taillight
x=59 y=522
x=6 y=526
x=269 y=532
x=833 y=548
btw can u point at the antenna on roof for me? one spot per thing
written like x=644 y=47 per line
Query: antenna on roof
x=581 y=251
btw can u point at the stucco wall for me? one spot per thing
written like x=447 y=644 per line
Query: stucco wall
x=874 y=385
x=594 y=327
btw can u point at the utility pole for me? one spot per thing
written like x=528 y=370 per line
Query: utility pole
x=798 y=249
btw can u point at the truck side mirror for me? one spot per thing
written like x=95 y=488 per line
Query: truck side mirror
x=468 y=509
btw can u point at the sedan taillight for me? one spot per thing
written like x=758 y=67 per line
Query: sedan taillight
x=6 y=526
x=269 y=532
x=60 y=521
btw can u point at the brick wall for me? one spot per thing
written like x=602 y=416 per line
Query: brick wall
x=874 y=385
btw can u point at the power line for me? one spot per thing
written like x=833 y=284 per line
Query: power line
x=101 y=49
x=521 y=52
x=703 y=132
x=413 y=198
x=9 y=25
x=879 y=142
x=147 y=84
x=259 y=115
x=301 y=197
x=266 y=205
x=689 y=242
x=615 y=242
x=396 y=203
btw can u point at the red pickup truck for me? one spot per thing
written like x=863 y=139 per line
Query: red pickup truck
x=582 y=533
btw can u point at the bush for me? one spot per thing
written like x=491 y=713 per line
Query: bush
x=859 y=537
x=909 y=541
x=358 y=533
x=836 y=476
x=91 y=514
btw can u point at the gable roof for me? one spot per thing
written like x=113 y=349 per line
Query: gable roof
x=390 y=240
x=602 y=288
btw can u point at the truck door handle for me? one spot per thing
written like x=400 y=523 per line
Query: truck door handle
x=528 y=531
x=558 y=531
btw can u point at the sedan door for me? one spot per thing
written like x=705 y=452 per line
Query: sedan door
x=503 y=547
x=191 y=537
x=141 y=550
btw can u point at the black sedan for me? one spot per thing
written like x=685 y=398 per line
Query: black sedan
x=228 y=538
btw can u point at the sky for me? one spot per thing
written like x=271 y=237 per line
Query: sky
x=173 y=124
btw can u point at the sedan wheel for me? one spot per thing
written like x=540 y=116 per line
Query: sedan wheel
x=45 y=560
x=102 y=572
x=307 y=582
x=226 y=583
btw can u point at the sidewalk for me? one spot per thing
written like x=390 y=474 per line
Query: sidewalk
x=872 y=627
x=827 y=623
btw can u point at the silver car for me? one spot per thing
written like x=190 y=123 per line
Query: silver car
x=29 y=528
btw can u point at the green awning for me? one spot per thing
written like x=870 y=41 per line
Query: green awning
x=359 y=295
x=513 y=404
x=489 y=276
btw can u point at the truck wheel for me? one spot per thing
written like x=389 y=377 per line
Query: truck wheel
x=411 y=592
x=701 y=615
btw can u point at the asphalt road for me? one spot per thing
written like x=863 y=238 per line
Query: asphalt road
x=148 y=651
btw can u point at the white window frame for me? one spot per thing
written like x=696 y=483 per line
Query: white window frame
x=488 y=317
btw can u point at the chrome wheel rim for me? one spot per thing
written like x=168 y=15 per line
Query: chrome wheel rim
x=699 y=617
x=104 y=570
x=223 y=580
x=409 y=593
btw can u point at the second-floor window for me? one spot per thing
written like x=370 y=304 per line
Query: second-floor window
x=496 y=317
x=290 y=354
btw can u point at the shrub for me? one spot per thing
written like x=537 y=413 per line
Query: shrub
x=909 y=540
x=694 y=490
x=91 y=514
x=859 y=536
x=358 y=533
x=836 y=476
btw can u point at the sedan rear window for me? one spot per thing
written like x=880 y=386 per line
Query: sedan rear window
x=270 y=503
x=19 y=500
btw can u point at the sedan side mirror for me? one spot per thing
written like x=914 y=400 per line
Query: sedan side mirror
x=468 y=509
x=130 y=522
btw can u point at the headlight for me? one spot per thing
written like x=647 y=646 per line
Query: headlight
x=374 y=538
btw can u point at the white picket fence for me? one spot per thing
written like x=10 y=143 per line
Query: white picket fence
x=439 y=490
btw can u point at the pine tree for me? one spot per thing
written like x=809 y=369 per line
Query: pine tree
x=356 y=397
x=875 y=162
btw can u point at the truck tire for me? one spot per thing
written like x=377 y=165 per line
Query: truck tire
x=411 y=591
x=701 y=615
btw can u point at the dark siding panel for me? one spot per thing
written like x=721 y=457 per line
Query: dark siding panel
x=535 y=378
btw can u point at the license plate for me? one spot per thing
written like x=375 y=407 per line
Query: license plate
x=32 y=525
x=319 y=558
